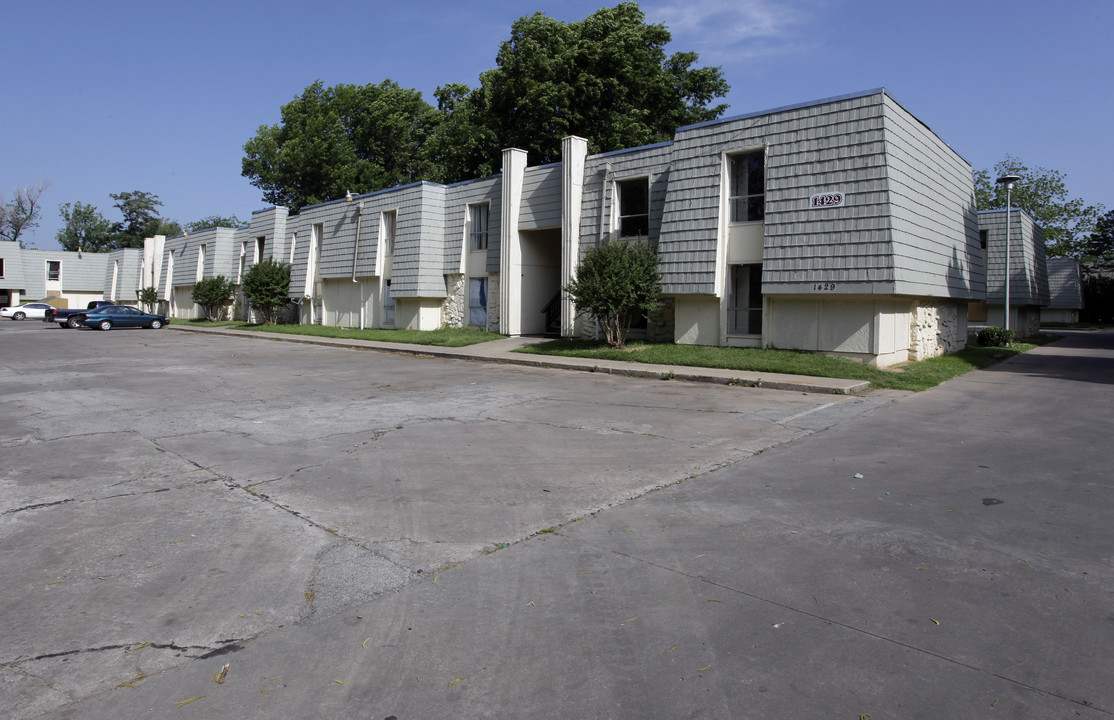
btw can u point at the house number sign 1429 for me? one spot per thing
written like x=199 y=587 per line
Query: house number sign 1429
x=826 y=200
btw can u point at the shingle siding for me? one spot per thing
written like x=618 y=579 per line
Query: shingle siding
x=457 y=199
x=1028 y=269
x=541 y=198
x=1065 y=284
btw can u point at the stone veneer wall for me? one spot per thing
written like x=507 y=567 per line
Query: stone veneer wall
x=936 y=329
x=493 y=302
x=453 y=309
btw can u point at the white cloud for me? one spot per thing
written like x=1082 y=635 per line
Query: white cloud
x=758 y=27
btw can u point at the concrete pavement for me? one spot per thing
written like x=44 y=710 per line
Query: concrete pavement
x=944 y=555
x=502 y=351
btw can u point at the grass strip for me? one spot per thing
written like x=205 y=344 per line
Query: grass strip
x=914 y=376
x=446 y=337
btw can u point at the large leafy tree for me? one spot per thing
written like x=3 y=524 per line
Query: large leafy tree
x=21 y=213
x=332 y=140
x=1098 y=247
x=606 y=78
x=141 y=219
x=84 y=228
x=1042 y=193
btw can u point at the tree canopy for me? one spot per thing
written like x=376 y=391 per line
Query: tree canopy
x=85 y=228
x=606 y=78
x=214 y=221
x=1042 y=193
x=331 y=140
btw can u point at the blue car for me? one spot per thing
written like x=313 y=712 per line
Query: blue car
x=106 y=318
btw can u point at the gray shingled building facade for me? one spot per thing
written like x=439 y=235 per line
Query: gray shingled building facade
x=843 y=226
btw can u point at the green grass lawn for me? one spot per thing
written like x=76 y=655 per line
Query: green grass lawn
x=912 y=376
x=446 y=337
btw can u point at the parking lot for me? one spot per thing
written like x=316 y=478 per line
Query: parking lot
x=167 y=496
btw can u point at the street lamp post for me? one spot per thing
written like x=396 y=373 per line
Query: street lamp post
x=1008 y=181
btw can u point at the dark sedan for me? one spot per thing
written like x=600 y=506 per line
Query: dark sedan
x=113 y=316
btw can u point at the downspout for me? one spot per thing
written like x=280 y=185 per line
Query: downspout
x=356 y=255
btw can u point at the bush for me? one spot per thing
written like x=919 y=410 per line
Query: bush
x=267 y=288
x=148 y=296
x=212 y=294
x=995 y=337
x=617 y=282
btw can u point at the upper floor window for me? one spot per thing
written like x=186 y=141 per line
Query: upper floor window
x=54 y=270
x=477 y=227
x=747 y=186
x=634 y=207
x=388 y=223
x=983 y=234
x=201 y=262
x=260 y=243
x=1 y=267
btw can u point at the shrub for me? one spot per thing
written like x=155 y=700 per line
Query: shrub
x=212 y=294
x=148 y=296
x=995 y=337
x=267 y=288
x=617 y=282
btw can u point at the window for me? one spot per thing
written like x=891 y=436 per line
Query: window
x=54 y=270
x=260 y=243
x=1 y=267
x=747 y=190
x=477 y=227
x=477 y=302
x=744 y=312
x=293 y=244
x=243 y=261
x=982 y=238
x=634 y=207
x=387 y=231
x=201 y=263
x=388 y=305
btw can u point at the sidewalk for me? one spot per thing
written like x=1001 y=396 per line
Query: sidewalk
x=502 y=351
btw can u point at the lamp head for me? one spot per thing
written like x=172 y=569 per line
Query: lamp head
x=348 y=196
x=1008 y=180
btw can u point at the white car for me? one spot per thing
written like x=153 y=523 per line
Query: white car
x=22 y=312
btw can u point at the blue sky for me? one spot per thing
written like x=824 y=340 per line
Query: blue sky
x=160 y=96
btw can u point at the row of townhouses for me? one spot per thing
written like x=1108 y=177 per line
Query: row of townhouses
x=843 y=226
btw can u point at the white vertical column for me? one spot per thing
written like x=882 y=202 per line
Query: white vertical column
x=510 y=244
x=574 y=151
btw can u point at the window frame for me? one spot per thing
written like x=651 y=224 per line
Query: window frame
x=388 y=220
x=748 y=197
x=624 y=217
x=479 y=240
x=389 y=304
x=54 y=275
x=482 y=297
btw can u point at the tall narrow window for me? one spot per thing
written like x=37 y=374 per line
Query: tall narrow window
x=53 y=270
x=477 y=227
x=1 y=267
x=201 y=263
x=477 y=302
x=260 y=243
x=293 y=244
x=745 y=303
x=747 y=195
x=388 y=305
x=634 y=207
x=388 y=229
x=983 y=234
x=243 y=262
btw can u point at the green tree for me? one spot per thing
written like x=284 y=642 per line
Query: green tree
x=1042 y=193
x=1098 y=247
x=213 y=294
x=84 y=229
x=332 y=140
x=21 y=213
x=140 y=218
x=267 y=287
x=213 y=221
x=606 y=78
x=148 y=296
x=617 y=282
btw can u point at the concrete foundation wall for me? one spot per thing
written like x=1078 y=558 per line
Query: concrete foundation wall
x=696 y=320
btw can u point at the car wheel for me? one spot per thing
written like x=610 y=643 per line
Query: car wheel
x=105 y=325
x=19 y=316
x=73 y=321
x=156 y=324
